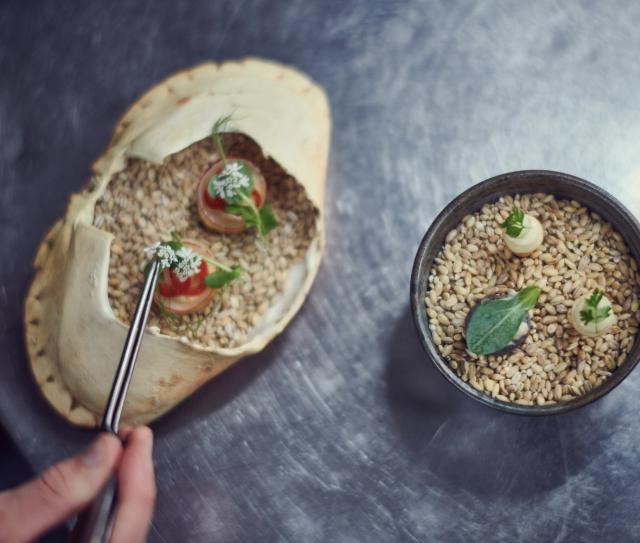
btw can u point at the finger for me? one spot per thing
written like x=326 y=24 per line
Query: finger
x=61 y=490
x=136 y=489
x=124 y=432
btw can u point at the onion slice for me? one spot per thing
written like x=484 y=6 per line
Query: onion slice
x=529 y=239
x=186 y=304
x=591 y=329
x=216 y=219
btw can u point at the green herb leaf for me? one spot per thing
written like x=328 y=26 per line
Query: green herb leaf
x=514 y=224
x=268 y=219
x=262 y=219
x=592 y=311
x=220 y=278
x=175 y=243
x=247 y=213
x=494 y=323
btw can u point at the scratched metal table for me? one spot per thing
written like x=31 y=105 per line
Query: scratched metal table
x=342 y=430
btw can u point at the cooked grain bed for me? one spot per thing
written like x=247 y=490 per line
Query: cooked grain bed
x=580 y=252
x=144 y=202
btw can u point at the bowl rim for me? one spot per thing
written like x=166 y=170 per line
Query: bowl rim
x=421 y=321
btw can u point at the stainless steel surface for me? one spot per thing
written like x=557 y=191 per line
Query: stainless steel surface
x=342 y=430
x=94 y=524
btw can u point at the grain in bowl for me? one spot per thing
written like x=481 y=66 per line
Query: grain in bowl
x=580 y=252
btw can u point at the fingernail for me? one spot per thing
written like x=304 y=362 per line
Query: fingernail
x=93 y=455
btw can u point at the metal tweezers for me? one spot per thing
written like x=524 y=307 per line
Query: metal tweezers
x=94 y=524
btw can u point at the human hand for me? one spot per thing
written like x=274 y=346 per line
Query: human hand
x=28 y=511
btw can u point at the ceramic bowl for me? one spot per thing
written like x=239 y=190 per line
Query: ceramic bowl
x=563 y=186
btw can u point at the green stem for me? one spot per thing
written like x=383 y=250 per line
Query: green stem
x=250 y=203
x=252 y=206
x=216 y=263
x=218 y=143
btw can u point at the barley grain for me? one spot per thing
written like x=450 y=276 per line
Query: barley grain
x=144 y=202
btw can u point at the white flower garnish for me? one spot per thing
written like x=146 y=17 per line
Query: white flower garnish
x=230 y=180
x=188 y=263
x=232 y=168
x=165 y=254
x=184 y=262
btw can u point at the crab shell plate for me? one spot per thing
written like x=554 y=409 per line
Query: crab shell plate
x=73 y=338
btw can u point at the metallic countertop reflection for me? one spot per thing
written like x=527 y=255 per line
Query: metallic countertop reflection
x=342 y=430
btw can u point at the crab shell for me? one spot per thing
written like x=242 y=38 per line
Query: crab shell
x=73 y=339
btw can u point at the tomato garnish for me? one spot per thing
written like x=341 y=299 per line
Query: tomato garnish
x=219 y=203
x=214 y=203
x=165 y=284
x=170 y=285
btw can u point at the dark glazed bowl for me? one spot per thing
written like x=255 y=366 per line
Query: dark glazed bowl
x=529 y=181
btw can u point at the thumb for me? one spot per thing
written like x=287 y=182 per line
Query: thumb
x=60 y=491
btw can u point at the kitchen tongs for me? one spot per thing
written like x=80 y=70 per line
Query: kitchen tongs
x=94 y=524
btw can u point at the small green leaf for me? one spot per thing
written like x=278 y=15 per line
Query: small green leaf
x=262 y=219
x=494 y=323
x=175 y=242
x=220 y=278
x=586 y=316
x=247 y=213
x=514 y=223
x=592 y=311
x=268 y=220
x=603 y=313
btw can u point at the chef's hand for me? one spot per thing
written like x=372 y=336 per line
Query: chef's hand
x=30 y=510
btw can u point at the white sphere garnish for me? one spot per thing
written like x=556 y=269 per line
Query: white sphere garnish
x=593 y=328
x=530 y=237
